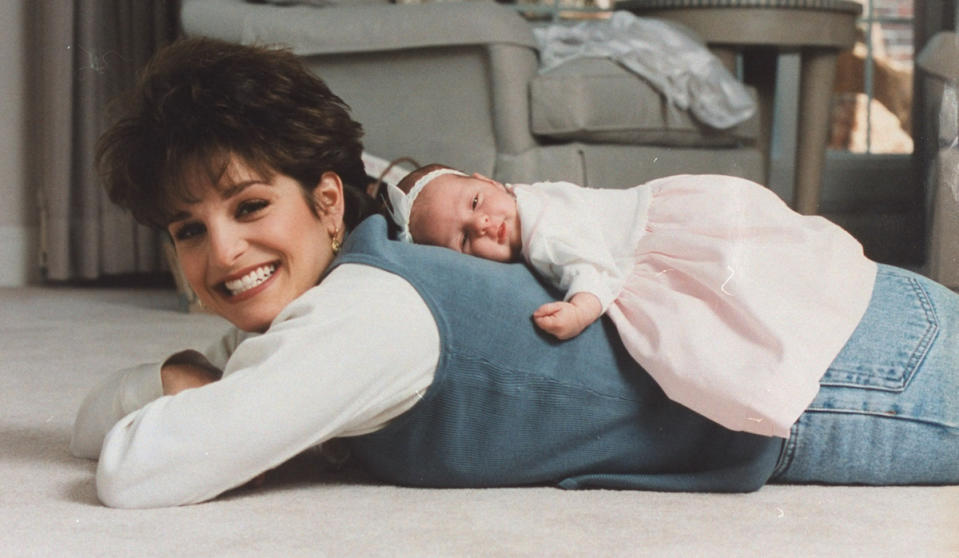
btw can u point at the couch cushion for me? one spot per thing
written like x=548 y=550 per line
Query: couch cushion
x=351 y=27
x=596 y=100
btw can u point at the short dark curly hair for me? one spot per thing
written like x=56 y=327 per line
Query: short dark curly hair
x=201 y=102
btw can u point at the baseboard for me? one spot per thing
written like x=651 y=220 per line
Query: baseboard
x=18 y=256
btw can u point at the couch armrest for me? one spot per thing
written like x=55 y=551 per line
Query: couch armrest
x=311 y=30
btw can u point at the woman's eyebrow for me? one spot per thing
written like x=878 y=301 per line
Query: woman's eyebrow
x=178 y=216
x=238 y=187
x=225 y=193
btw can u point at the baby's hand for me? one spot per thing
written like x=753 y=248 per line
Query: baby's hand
x=566 y=320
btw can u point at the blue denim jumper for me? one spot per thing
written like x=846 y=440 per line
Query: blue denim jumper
x=510 y=405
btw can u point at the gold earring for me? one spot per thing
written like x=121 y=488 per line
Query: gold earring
x=335 y=243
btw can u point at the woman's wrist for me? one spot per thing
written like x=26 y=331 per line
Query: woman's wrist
x=186 y=370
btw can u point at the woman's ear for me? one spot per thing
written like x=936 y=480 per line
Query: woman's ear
x=328 y=198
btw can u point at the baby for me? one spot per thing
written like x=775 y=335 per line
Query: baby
x=735 y=304
x=478 y=216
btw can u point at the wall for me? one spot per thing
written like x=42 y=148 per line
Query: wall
x=18 y=222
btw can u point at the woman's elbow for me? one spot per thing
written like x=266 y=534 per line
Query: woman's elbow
x=121 y=487
x=117 y=491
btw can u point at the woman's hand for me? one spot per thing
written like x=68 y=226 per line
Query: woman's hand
x=187 y=370
x=566 y=320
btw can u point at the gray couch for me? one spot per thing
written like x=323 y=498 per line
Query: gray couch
x=458 y=83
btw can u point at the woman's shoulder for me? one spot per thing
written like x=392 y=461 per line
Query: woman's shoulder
x=357 y=297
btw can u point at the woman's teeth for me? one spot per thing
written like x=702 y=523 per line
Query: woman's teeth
x=250 y=280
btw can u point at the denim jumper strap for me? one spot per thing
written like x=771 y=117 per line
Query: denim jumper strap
x=512 y=406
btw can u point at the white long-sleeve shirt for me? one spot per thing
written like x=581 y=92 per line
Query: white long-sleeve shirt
x=343 y=359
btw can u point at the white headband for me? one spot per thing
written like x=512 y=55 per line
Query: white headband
x=403 y=203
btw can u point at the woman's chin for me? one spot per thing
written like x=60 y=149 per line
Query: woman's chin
x=252 y=323
x=253 y=314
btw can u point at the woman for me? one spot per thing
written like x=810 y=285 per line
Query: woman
x=418 y=356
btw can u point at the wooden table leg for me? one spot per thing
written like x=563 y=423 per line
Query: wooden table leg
x=817 y=77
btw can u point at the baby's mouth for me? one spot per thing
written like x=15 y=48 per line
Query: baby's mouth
x=250 y=280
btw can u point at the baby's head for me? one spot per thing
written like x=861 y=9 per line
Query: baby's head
x=474 y=215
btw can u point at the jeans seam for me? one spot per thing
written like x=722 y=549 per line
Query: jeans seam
x=922 y=349
x=882 y=414
x=787 y=454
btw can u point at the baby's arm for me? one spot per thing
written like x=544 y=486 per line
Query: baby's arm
x=565 y=244
x=567 y=319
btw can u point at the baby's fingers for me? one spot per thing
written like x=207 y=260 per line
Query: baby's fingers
x=548 y=309
x=550 y=323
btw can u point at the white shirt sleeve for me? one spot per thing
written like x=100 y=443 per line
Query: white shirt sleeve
x=564 y=242
x=343 y=359
x=129 y=389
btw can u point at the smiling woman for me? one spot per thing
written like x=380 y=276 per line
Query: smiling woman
x=424 y=359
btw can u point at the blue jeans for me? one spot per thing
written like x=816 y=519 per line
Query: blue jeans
x=887 y=411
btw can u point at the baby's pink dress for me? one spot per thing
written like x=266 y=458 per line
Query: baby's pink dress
x=733 y=303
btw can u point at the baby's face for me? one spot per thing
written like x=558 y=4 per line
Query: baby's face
x=473 y=215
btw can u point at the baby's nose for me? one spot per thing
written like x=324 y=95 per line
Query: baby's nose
x=480 y=224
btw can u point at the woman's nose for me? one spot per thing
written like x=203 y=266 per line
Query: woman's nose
x=226 y=245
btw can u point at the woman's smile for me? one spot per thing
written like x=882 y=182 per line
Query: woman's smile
x=250 y=283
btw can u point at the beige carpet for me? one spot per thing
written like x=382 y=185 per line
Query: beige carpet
x=55 y=342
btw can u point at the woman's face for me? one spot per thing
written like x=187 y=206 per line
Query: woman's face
x=249 y=246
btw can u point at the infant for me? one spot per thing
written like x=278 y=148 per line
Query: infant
x=735 y=304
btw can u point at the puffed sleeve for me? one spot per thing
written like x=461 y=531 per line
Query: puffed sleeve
x=343 y=359
x=563 y=241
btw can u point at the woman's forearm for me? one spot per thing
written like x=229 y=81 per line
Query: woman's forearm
x=282 y=392
x=186 y=370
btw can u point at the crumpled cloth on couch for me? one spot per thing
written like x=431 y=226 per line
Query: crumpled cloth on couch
x=682 y=69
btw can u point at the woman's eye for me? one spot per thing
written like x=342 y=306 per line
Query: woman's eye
x=250 y=207
x=188 y=231
x=475 y=201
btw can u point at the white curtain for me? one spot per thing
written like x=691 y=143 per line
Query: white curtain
x=86 y=52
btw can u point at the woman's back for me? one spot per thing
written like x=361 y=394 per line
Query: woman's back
x=511 y=406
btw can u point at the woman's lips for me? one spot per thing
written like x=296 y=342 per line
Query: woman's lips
x=250 y=281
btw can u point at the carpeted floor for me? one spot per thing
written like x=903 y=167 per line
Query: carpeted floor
x=55 y=342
